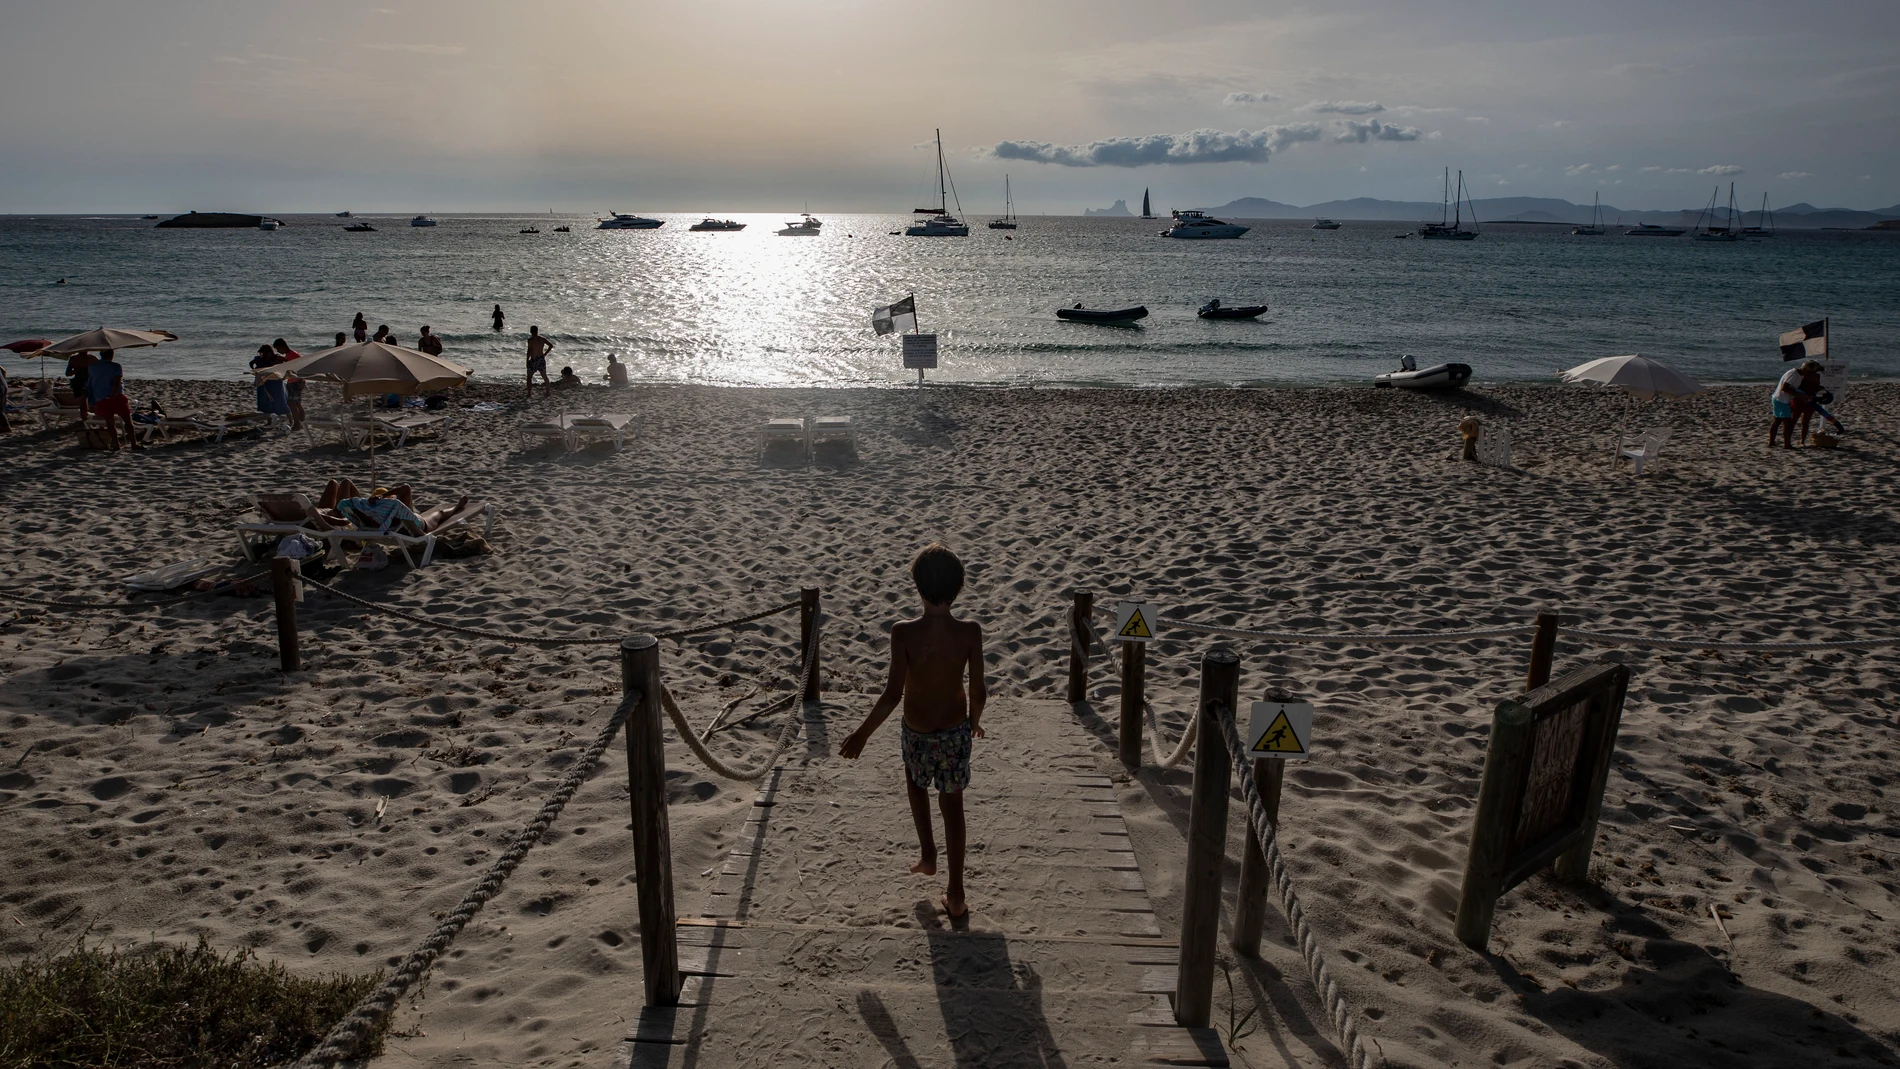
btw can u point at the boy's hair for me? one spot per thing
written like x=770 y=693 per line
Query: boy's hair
x=938 y=574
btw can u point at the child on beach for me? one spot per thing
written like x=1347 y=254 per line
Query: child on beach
x=930 y=657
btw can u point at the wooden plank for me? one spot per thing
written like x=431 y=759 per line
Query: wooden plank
x=1180 y=1046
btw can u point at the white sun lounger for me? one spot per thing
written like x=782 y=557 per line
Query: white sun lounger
x=403 y=543
x=283 y=514
x=219 y=426
x=608 y=426
x=784 y=430
x=560 y=430
x=833 y=429
x=355 y=429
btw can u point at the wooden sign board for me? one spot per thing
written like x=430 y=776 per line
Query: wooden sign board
x=1542 y=791
x=1136 y=621
x=920 y=351
x=1280 y=729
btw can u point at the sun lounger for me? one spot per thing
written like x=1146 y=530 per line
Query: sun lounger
x=283 y=514
x=834 y=429
x=784 y=430
x=403 y=542
x=1642 y=448
x=355 y=428
x=219 y=426
x=561 y=430
x=604 y=427
x=410 y=425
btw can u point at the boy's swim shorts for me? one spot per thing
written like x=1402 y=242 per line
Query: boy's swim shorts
x=939 y=759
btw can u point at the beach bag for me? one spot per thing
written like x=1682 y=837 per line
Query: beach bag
x=461 y=544
x=372 y=560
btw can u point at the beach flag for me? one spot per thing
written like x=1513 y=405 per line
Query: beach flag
x=1804 y=342
x=895 y=317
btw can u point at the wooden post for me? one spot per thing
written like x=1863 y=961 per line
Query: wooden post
x=652 y=838
x=1250 y=908
x=283 y=581
x=807 y=616
x=1543 y=648
x=1080 y=621
x=1494 y=822
x=1134 y=693
x=1206 y=842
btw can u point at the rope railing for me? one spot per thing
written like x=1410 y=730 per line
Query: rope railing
x=1181 y=748
x=552 y=640
x=1344 y=1019
x=719 y=767
x=115 y=606
x=347 y=1036
x=1790 y=646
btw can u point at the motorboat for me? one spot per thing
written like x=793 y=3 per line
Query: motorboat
x=1436 y=377
x=148 y=217
x=709 y=223
x=563 y=230
x=1456 y=230
x=1325 y=224
x=805 y=227
x=360 y=228
x=422 y=220
x=940 y=224
x=1112 y=316
x=630 y=222
x=1651 y=230
x=1193 y=224
x=269 y=224
x=1595 y=229
x=1008 y=221
x=530 y=230
x=344 y=215
x=1216 y=310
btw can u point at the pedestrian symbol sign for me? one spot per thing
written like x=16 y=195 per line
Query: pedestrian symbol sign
x=1136 y=621
x=1280 y=729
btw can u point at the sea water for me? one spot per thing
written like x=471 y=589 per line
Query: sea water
x=753 y=308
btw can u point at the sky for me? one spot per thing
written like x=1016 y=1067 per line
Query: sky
x=744 y=105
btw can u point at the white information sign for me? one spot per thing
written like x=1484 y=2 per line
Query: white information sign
x=1280 y=729
x=1136 y=621
x=1834 y=380
x=920 y=351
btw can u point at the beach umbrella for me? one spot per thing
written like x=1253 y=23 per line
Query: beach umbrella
x=26 y=347
x=365 y=369
x=92 y=341
x=1639 y=377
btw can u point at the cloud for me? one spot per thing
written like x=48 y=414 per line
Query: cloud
x=1641 y=70
x=1434 y=135
x=1477 y=118
x=420 y=50
x=1345 y=107
x=1653 y=169
x=1724 y=170
x=1373 y=130
x=1789 y=176
x=1237 y=99
x=1560 y=124
x=1614 y=167
x=1195 y=146
x=1581 y=168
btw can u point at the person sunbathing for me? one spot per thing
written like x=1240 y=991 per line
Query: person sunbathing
x=385 y=509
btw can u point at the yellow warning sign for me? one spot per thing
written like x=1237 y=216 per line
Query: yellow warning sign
x=1281 y=729
x=1135 y=621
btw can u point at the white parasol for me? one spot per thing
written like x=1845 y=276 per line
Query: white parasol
x=93 y=341
x=365 y=369
x=1639 y=377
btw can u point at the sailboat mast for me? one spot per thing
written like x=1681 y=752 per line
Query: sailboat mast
x=1445 y=196
x=943 y=194
x=1457 y=218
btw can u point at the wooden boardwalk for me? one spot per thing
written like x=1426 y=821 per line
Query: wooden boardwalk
x=814 y=942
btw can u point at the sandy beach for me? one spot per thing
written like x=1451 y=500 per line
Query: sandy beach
x=161 y=777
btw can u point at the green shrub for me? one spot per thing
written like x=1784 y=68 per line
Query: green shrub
x=160 y=1006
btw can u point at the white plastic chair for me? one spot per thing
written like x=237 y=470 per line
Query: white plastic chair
x=1641 y=449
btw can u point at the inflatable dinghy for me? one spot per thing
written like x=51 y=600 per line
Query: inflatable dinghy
x=1080 y=314
x=1439 y=377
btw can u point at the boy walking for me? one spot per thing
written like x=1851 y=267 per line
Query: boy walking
x=930 y=657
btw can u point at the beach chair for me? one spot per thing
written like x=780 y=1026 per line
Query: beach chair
x=412 y=424
x=403 y=542
x=1642 y=448
x=283 y=514
x=1494 y=447
x=833 y=429
x=219 y=426
x=560 y=430
x=784 y=430
x=608 y=426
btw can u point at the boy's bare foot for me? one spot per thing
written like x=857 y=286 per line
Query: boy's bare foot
x=958 y=909
x=925 y=867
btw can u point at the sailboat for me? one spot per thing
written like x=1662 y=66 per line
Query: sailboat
x=1595 y=229
x=1008 y=221
x=941 y=223
x=1706 y=230
x=1147 y=212
x=1765 y=227
x=1456 y=231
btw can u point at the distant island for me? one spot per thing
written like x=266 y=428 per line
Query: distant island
x=1547 y=210
x=215 y=221
x=1120 y=208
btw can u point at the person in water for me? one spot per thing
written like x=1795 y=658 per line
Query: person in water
x=499 y=319
x=429 y=343
x=930 y=658
x=360 y=327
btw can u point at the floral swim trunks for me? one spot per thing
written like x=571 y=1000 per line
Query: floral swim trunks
x=939 y=759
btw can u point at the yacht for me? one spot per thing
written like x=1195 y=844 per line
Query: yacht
x=1730 y=231
x=805 y=227
x=1595 y=229
x=422 y=220
x=941 y=223
x=1766 y=219
x=1651 y=230
x=1192 y=224
x=709 y=223
x=1147 y=210
x=1325 y=224
x=629 y=222
x=1456 y=231
x=344 y=215
x=268 y=224
x=1008 y=221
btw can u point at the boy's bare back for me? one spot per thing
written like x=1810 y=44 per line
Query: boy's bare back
x=931 y=656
